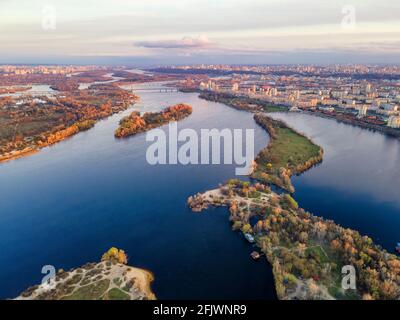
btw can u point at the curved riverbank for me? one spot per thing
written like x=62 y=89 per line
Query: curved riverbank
x=383 y=129
x=32 y=127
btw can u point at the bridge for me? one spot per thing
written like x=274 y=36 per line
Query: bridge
x=29 y=93
x=38 y=93
x=155 y=90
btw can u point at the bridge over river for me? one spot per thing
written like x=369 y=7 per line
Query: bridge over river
x=154 y=89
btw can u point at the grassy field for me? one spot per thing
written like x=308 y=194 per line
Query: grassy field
x=290 y=149
x=287 y=153
x=271 y=108
x=242 y=103
x=318 y=252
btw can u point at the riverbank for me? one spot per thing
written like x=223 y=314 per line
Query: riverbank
x=36 y=124
x=135 y=123
x=287 y=153
x=393 y=132
x=255 y=105
x=51 y=139
x=110 y=279
x=306 y=252
x=241 y=102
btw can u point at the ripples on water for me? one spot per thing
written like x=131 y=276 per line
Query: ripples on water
x=357 y=184
x=69 y=203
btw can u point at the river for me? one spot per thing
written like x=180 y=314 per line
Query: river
x=357 y=184
x=69 y=203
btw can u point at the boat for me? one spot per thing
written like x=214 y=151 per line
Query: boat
x=255 y=255
x=249 y=237
x=398 y=247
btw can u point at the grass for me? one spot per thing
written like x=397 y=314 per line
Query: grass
x=116 y=294
x=92 y=291
x=287 y=149
x=254 y=195
x=290 y=149
x=270 y=108
x=318 y=252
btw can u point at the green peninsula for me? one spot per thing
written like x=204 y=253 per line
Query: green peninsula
x=287 y=153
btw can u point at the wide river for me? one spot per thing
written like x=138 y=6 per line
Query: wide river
x=358 y=183
x=71 y=202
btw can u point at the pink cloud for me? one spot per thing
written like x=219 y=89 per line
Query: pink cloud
x=184 y=43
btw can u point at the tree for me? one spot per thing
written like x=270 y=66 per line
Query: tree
x=115 y=255
x=246 y=228
x=303 y=237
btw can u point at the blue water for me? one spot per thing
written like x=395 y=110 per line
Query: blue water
x=357 y=184
x=69 y=203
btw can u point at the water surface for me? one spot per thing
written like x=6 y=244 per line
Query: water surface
x=69 y=203
x=357 y=184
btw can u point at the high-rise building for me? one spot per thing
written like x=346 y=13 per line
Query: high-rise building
x=394 y=122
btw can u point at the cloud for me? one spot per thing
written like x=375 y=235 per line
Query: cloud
x=184 y=43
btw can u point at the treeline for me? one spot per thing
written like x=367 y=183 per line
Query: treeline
x=241 y=102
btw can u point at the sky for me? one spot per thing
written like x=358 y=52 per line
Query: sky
x=159 y=32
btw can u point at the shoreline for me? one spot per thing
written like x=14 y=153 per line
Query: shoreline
x=136 y=123
x=110 y=279
x=221 y=97
x=287 y=285
x=51 y=137
x=387 y=131
x=270 y=167
x=55 y=138
x=306 y=252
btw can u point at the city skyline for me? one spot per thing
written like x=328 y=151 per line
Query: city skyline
x=155 y=32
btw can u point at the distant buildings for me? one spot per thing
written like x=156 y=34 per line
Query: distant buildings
x=394 y=122
x=362 y=111
x=328 y=88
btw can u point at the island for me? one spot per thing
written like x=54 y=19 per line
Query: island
x=287 y=153
x=306 y=252
x=110 y=279
x=135 y=123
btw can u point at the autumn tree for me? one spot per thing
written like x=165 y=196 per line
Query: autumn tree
x=115 y=255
